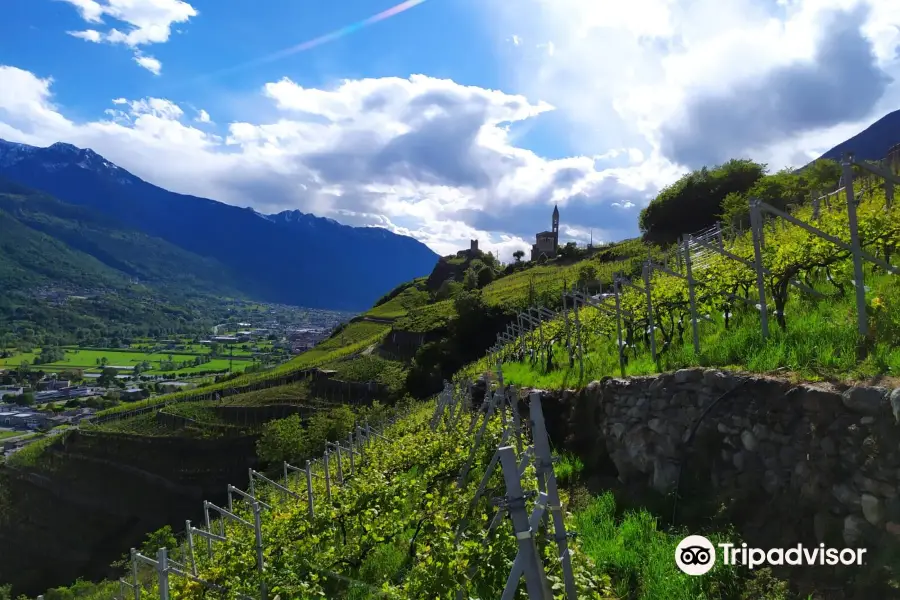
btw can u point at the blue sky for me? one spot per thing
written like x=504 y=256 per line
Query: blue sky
x=453 y=119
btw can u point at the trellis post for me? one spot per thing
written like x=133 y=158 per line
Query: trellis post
x=135 y=584
x=646 y=275
x=858 y=276
x=756 y=233
x=327 y=476
x=545 y=471
x=535 y=579
x=692 y=297
x=162 y=570
x=619 y=341
x=578 y=344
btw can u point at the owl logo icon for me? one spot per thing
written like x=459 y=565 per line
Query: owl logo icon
x=695 y=555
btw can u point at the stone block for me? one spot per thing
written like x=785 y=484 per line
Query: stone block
x=749 y=441
x=854 y=527
x=895 y=404
x=693 y=375
x=865 y=400
x=872 y=508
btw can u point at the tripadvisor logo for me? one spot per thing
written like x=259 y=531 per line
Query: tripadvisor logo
x=696 y=555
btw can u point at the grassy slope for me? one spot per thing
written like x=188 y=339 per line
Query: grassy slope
x=128 y=252
x=819 y=341
x=411 y=478
x=636 y=557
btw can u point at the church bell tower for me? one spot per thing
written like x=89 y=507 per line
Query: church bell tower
x=555 y=228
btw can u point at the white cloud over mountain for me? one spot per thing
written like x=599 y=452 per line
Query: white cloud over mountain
x=645 y=89
x=700 y=81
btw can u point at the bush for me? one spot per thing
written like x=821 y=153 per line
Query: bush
x=695 y=201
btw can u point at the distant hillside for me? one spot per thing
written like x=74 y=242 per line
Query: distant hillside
x=290 y=258
x=873 y=142
x=61 y=242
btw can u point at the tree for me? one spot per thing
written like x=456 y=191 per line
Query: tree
x=470 y=279
x=695 y=201
x=282 y=440
x=586 y=274
x=484 y=276
x=329 y=426
x=518 y=254
x=107 y=376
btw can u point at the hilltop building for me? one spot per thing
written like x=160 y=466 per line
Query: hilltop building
x=547 y=242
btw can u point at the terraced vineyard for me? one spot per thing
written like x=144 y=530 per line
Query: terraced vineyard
x=397 y=528
x=812 y=334
x=354 y=339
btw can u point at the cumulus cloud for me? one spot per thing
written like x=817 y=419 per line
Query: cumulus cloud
x=144 y=22
x=149 y=63
x=841 y=82
x=421 y=156
x=644 y=89
x=702 y=81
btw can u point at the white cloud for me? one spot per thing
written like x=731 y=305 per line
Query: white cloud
x=422 y=156
x=145 y=22
x=149 y=63
x=91 y=35
x=646 y=88
x=700 y=80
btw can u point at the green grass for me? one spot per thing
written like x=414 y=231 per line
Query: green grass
x=357 y=337
x=88 y=359
x=9 y=434
x=402 y=303
x=568 y=468
x=819 y=343
x=391 y=374
x=427 y=318
x=639 y=558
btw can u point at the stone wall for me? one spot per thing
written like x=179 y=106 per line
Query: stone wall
x=325 y=386
x=824 y=461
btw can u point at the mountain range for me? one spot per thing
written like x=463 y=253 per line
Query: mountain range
x=120 y=227
x=873 y=142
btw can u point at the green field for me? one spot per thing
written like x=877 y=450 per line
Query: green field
x=89 y=360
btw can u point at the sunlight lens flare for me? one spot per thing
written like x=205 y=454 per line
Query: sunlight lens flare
x=329 y=37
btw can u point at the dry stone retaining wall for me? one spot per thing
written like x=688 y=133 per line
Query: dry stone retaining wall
x=830 y=453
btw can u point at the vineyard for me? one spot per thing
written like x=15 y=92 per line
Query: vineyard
x=434 y=505
x=712 y=286
x=355 y=338
x=408 y=519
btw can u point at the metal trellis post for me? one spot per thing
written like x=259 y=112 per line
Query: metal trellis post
x=756 y=232
x=691 y=294
x=858 y=276
x=535 y=578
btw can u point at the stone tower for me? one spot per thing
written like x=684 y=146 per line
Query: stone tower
x=555 y=228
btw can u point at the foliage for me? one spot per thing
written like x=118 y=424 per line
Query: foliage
x=814 y=336
x=290 y=440
x=695 y=201
x=638 y=557
x=781 y=190
x=283 y=440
